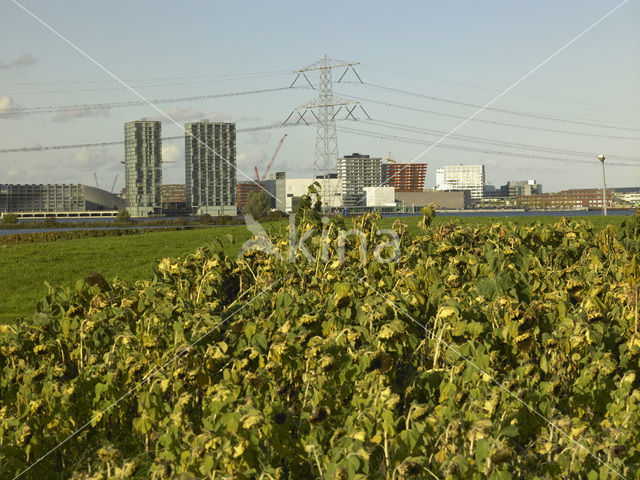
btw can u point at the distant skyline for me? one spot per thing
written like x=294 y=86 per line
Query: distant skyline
x=457 y=51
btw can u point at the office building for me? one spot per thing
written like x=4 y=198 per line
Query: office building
x=519 y=188
x=210 y=168
x=245 y=188
x=461 y=177
x=330 y=192
x=143 y=167
x=405 y=177
x=567 y=199
x=63 y=199
x=356 y=172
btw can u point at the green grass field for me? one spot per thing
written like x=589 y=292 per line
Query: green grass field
x=24 y=268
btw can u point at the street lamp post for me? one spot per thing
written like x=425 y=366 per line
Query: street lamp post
x=604 y=186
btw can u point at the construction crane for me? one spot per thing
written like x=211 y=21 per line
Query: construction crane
x=389 y=159
x=273 y=157
x=114 y=183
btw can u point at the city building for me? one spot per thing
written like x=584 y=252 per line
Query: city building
x=567 y=199
x=627 y=196
x=380 y=196
x=277 y=186
x=330 y=192
x=519 y=188
x=143 y=167
x=405 y=177
x=456 y=200
x=246 y=188
x=461 y=177
x=210 y=168
x=174 y=199
x=63 y=200
x=356 y=172
x=491 y=191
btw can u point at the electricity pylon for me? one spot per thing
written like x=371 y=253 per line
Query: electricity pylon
x=322 y=111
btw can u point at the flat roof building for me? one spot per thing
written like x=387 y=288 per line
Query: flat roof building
x=143 y=167
x=461 y=177
x=356 y=172
x=56 y=198
x=210 y=168
x=405 y=177
x=330 y=192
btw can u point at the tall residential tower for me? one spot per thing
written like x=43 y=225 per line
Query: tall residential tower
x=143 y=167
x=210 y=168
x=356 y=172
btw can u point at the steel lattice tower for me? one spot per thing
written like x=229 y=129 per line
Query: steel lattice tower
x=323 y=109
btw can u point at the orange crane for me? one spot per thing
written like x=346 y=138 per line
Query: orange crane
x=266 y=172
x=389 y=159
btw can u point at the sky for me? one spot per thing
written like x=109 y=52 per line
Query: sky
x=452 y=57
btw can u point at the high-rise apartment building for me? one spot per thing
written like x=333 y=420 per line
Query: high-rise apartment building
x=143 y=167
x=210 y=168
x=462 y=177
x=356 y=172
x=404 y=177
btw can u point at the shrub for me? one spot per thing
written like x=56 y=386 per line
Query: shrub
x=9 y=219
x=206 y=219
x=123 y=217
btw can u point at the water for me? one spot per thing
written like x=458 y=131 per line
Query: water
x=507 y=213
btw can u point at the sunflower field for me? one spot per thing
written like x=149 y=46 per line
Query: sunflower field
x=498 y=352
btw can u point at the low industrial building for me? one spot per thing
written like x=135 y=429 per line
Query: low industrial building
x=452 y=200
x=380 y=196
x=330 y=191
x=567 y=199
x=58 y=200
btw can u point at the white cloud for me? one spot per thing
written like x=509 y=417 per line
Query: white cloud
x=81 y=111
x=21 y=61
x=180 y=114
x=172 y=153
x=259 y=138
x=6 y=106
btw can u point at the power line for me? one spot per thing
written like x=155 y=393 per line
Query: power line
x=121 y=142
x=491 y=122
x=499 y=110
x=502 y=143
x=173 y=84
x=106 y=106
x=147 y=79
x=539 y=97
x=468 y=149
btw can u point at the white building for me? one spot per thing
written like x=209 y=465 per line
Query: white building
x=356 y=172
x=330 y=191
x=380 y=196
x=461 y=177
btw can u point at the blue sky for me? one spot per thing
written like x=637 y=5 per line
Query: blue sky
x=485 y=44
